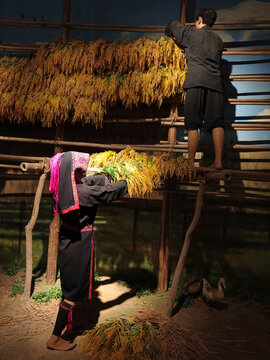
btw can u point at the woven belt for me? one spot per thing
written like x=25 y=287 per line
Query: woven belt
x=77 y=228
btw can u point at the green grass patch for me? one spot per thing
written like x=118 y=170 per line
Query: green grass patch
x=47 y=295
x=14 y=266
x=17 y=288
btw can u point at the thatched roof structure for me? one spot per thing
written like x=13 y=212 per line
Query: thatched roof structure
x=79 y=81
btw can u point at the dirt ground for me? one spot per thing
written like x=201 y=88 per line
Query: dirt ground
x=239 y=330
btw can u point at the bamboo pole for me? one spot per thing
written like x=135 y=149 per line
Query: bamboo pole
x=163 y=146
x=19 y=157
x=33 y=48
x=249 y=101
x=28 y=232
x=241 y=22
x=80 y=26
x=255 y=77
x=247 y=52
x=252 y=28
x=185 y=248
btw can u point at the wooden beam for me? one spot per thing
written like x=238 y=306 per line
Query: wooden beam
x=249 y=101
x=183 y=12
x=65 y=19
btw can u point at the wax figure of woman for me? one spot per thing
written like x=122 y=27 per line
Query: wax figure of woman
x=76 y=199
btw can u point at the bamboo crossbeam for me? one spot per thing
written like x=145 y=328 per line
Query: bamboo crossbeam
x=230 y=187
x=252 y=28
x=60 y=24
x=235 y=174
x=154 y=147
x=162 y=146
x=82 y=26
x=235 y=126
x=251 y=48
x=246 y=52
x=9 y=166
x=18 y=47
x=208 y=173
x=33 y=47
x=241 y=22
x=255 y=77
x=20 y=157
x=235 y=147
x=249 y=101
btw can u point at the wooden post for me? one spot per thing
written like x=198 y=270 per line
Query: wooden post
x=54 y=225
x=183 y=254
x=164 y=243
x=65 y=19
x=22 y=210
x=135 y=229
x=183 y=11
x=28 y=232
x=52 y=250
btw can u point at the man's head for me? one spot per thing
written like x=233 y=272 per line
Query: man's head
x=206 y=17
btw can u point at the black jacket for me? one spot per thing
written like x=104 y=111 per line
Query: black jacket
x=203 y=50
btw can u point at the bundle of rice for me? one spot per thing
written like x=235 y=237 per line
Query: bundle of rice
x=122 y=339
x=142 y=173
x=180 y=343
x=147 y=335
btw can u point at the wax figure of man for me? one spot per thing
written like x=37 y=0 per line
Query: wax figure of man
x=76 y=199
x=204 y=98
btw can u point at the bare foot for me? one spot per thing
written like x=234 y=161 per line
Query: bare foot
x=57 y=343
x=216 y=166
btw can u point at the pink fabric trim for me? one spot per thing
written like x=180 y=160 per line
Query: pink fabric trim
x=87 y=228
x=69 y=318
x=107 y=181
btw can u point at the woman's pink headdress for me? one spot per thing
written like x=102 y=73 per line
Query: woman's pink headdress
x=55 y=163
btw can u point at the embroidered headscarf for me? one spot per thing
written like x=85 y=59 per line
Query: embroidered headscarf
x=63 y=185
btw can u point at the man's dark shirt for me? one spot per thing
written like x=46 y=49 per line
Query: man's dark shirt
x=203 y=51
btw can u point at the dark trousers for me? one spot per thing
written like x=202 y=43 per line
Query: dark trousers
x=203 y=107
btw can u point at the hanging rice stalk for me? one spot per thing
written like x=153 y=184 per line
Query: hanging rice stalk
x=147 y=335
x=143 y=174
x=80 y=81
